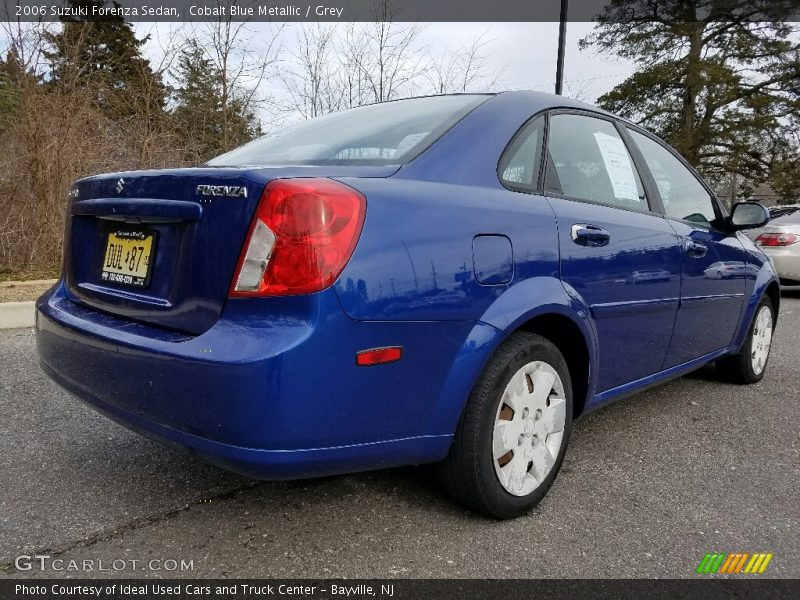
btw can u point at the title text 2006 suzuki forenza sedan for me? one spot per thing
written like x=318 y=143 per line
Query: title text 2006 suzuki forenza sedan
x=448 y=279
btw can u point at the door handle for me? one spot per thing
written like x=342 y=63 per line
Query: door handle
x=590 y=235
x=696 y=250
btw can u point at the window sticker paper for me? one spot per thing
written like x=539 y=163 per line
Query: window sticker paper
x=618 y=166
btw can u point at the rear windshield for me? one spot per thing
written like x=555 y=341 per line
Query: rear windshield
x=379 y=134
x=788 y=215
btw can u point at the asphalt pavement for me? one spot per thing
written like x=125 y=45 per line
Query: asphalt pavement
x=650 y=484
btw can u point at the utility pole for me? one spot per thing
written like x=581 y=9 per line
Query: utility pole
x=562 y=42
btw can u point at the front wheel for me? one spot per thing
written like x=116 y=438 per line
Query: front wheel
x=513 y=434
x=750 y=363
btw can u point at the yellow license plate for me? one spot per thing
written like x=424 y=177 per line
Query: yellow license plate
x=129 y=255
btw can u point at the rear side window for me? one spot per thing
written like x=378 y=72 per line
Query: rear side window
x=388 y=133
x=684 y=197
x=588 y=160
x=519 y=166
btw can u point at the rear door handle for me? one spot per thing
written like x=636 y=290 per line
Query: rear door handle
x=590 y=235
x=696 y=250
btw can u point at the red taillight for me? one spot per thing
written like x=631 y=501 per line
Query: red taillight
x=777 y=239
x=303 y=233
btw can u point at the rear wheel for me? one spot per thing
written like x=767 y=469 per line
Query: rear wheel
x=513 y=434
x=750 y=363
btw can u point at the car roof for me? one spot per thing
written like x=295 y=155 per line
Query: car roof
x=536 y=101
x=546 y=100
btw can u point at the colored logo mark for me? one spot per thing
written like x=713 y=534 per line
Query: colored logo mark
x=738 y=562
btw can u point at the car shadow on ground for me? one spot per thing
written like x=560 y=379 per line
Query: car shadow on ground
x=706 y=373
x=791 y=292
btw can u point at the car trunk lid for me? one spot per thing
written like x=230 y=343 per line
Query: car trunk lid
x=161 y=247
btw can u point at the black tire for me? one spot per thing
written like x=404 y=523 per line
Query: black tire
x=738 y=368
x=468 y=472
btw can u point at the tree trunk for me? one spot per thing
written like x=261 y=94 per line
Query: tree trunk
x=687 y=142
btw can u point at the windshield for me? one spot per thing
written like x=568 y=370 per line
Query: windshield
x=387 y=133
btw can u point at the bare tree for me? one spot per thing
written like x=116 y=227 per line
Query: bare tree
x=337 y=68
x=383 y=56
x=579 y=89
x=350 y=79
x=462 y=70
x=48 y=140
x=54 y=131
x=25 y=41
x=312 y=84
x=151 y=129
x=244 y=67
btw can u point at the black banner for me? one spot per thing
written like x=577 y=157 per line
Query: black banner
x=400 y=589
x=391 y=10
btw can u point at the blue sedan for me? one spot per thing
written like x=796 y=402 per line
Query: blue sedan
x=449 y=279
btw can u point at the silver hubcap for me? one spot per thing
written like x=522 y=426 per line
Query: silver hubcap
x=528 y=428
x=762 y=339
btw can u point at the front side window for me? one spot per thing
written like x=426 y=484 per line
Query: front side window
x=391 y=133
x=683 y=195
x=587 y=160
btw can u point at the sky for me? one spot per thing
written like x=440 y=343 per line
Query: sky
x=526 y=53
x=523 y=53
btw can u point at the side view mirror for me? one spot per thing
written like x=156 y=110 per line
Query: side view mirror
x=748 y=215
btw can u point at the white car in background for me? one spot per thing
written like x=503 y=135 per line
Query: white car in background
x=780 y=240
x=726 y=269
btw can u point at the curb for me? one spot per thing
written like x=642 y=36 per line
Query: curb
x=15 y=315
x=27 y=283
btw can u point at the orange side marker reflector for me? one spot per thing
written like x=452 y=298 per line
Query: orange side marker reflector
x=379 y=356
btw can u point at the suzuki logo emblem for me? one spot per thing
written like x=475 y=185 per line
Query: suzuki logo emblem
x=120 y=186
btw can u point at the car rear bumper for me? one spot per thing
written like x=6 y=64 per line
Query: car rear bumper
x=272 y=398
x=268 y=464
x=786 y=261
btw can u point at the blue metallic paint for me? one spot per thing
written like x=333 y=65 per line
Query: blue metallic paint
x=245 y=383
x=269 y=387
x=184 y=294
x=632 y=387
x=613 y=282
x=410 y=226
x=492 y=259
x=710 y=308
x=758 y=279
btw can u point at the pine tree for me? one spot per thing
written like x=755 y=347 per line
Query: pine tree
x=105 y=57
x=14 y=79
x=719 y=80
x=198 y=108
x=8 y=90
x=197 y=103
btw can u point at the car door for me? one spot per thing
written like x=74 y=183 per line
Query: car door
x=618 y=254
x=713 y=262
